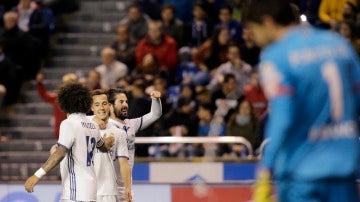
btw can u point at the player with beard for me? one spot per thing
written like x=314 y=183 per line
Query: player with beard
x=118 y=116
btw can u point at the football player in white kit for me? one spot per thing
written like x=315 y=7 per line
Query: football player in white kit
x=77 y=140
x=118 y=116
x=103 y=162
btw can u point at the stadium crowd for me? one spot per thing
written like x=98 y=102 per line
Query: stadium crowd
x=198 y=54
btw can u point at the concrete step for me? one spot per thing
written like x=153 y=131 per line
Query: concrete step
x=78 y=50
x=99 y=39
x=104 y=6
x=28 y=132
x=33 y=108
x=86 y=16
x=31 y=96
x=37 y=120
x=27 y=145
x=94 y=27
x=74 y=61
x=20 y=171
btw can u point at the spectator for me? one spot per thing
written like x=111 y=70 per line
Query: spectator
x=235 y=66
x=331 y=12
x=199 y=29
x=237 y=9
x=234 y=26
x=255 y=96
x=125 y=46
x=148 y=68
x=136 y=21
x=93 y=80
x=211 y=53
x=171 y=25
x=111 y=69
x=159 y=44
x=21 y=48
x=180 y=122
x=228 y=89
x=347 y=30
x=32 y=19
x=350 y=12
x=242 y=123
x=248 y=49
x=51 y=97
x=183 y=9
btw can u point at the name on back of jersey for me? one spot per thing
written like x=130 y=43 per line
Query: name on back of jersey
x=88 y=125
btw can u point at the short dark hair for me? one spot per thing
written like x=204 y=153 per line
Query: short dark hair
x=99 y=92
x=228 y=77
x=113 y=92
x=226 y=7
x=168 y=6
x=279 y=10
x=74 y=98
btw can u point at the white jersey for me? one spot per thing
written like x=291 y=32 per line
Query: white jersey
x=104 y=161
x=79 y=135
x=132 y=126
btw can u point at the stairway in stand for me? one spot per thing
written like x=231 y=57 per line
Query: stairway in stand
x=77 y=51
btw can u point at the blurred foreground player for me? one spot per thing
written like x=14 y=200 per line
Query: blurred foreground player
x=77 y=140
x=312 y=79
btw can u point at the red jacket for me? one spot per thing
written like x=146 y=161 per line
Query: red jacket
x=257 y=99
x=51 y=98
x=166 y=52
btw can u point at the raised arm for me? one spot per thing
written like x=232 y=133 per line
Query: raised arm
x=155 y=111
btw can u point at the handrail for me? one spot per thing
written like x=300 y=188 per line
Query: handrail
x=207 y=139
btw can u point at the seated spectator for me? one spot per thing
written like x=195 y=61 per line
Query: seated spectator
x=159 y=44
x=347 y=30
x=20 y=47
x=331 y=12
x=211 y=54
x=125 y=46
x=249 y=51
x=242 y=123
x=180 y=122
x=111 y=69
x=93 y=80
x=207 y=127
x=32 y=19
x=199 y=29
x=234 y=26
x=235 y=66
x=183 y=9
x=51 y=97
x=148 y=68
x=171 y=25
x=228 y=89
x=136 y=21
x=255 y=96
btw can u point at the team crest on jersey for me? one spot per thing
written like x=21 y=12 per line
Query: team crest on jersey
x=270 y=79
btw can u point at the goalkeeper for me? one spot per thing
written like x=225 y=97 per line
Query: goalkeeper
x=312 y=79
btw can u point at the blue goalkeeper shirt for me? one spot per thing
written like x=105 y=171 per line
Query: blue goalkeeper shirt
x=311 y=78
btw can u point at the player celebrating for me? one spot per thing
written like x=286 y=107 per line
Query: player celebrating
x=103 y=162
x=119 y=112
x=312 y=80
x=77 y=140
